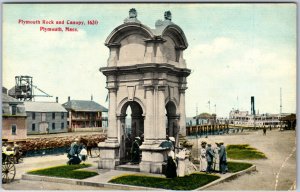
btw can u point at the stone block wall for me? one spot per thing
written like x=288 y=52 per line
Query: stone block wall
x=56 y=142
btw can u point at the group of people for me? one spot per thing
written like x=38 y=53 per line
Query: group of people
x=77 y=152
x=213 y=159
x=178 y=164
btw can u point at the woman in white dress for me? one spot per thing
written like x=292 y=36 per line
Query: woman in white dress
x=203 y=161
x=181 y=163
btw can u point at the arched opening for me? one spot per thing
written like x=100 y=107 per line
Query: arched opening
x=132 y=125
x=172 y=120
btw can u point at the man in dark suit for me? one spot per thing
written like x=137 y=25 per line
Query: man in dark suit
x=209 y=158
x=223 y=158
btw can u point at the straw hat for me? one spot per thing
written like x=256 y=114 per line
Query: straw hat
x=172 y=139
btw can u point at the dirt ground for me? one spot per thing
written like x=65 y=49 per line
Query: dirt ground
x=278 y=172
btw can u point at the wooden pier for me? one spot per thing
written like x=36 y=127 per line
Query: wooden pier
x=207 y=129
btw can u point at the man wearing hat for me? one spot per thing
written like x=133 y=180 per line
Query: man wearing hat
x=223 y=158
x=73 y=154
x=209 y=158
x=135 y=151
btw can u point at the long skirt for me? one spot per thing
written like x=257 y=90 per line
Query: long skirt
x=203 y=164
x=180 y=168
x=171 y=168
x=216 y=163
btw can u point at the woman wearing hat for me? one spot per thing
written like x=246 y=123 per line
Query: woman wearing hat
x=203 y=161
x=216 y=162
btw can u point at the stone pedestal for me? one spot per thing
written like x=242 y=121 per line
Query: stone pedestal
x=153 y=158
x=109 y=155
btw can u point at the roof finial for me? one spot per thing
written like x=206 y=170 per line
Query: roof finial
x=132 y=16
x=168 y=15
x=132 y=13
x=168 y=20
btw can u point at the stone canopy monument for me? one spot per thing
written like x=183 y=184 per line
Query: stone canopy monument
x=146 y=71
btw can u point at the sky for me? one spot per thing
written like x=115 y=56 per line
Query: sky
x=235 y=51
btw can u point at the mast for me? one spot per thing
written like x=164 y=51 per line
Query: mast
x=280 y=109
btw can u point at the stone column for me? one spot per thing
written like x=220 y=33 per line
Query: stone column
x=182 y=120
x=121 y=136
x=172 y=125
x=161 y=115
x=153 y=156
x=110 y=149
x=112 y=131
x=149 y=134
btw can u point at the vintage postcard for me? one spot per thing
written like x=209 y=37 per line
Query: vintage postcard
x=149 y=96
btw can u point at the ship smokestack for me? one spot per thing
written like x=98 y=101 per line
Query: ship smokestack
x=252 y=106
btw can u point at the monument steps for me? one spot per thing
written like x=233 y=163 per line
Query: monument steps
x=128 y=167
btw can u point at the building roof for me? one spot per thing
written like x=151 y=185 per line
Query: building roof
x=204 y=116
x=43 y=107
x=8 y=99
x=84 y=105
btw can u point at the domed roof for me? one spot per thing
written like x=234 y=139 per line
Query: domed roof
x=162 y=28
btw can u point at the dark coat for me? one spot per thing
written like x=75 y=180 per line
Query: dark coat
x=209 y=154
x=222 y=153
x=171 y=168
x=135 y=151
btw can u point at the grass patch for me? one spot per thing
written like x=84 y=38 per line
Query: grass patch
x=189 y=182
x=244 y=151
x=234 y=167
x=66 y=171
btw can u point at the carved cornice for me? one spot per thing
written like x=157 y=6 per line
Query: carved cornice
x=182 y=89
x=155 y=39
x=112 y=89
x=149 y=87
x=147 y=67
x=161 y=87
x=113 y=45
